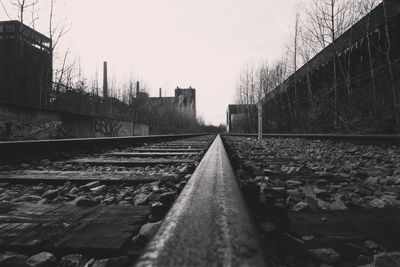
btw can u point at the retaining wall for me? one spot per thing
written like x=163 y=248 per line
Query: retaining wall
x=364 y=98
x=72 y=125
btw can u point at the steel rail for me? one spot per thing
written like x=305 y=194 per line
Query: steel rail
x=367 y=138
x=209 y=224
x=22 y=150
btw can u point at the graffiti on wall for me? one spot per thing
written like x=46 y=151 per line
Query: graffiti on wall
x=108 y=127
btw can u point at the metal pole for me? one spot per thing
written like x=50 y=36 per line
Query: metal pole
x=259 y=105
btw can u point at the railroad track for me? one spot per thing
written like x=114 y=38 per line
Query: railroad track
x=99 y=199
x=178 y=201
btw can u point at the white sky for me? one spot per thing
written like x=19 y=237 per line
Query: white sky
x=167 y=43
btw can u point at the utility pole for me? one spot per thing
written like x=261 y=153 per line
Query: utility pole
x=259 y=106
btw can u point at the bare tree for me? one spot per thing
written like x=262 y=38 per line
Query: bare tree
x=255 y=82
x=328 y=19
x=246 y=86
x=296 y=34
x=5 y=9
x=22 y=5
x=61 y=64
x=364 y=8
x=34 y=14
x=56 y=29
x=59 y=74
x=305 y=51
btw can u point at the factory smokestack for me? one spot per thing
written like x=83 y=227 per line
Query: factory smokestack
x=105 y=81
x=137 y=89
x=160 y=91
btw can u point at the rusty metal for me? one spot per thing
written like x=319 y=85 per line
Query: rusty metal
x=209 y=224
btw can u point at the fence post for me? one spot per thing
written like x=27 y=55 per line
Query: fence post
x=259 y=105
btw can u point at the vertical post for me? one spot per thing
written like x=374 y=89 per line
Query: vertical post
x=228 y=119
x=105 y=81
x=259 y=105
x=160 y=91
x=137 y=89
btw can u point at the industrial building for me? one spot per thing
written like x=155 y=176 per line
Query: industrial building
x=25 y=65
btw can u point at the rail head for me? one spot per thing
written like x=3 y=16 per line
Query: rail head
x=209 y=224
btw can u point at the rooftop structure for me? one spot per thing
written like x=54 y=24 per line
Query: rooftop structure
x=25 y=65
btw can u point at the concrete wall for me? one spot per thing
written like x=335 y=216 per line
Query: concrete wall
x=73 y=125
x=140 y=129
x=27 y=115
x=88 y=126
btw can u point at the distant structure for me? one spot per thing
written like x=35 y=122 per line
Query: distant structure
x=184 y=101
x=241 y=118
x=25 y=65
x=140 y=95
x=165 y=114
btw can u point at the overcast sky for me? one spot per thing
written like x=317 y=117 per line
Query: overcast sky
x=167 y=43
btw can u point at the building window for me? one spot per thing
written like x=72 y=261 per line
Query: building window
x=8 y=28
x=46 y=44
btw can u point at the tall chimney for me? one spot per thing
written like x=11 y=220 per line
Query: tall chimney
x=105 y=82
x=160 y=91
x=137 y=89
x=130 y=93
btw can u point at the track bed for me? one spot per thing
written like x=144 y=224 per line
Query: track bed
x=322 y=202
